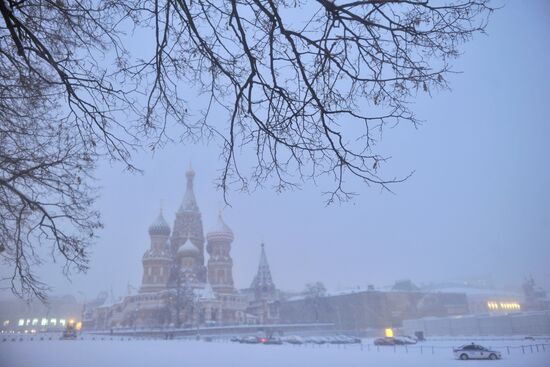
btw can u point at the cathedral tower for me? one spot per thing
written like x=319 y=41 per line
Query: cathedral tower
x=262 y=285
x=220 y=264
x=188 y=228
x=157 y=261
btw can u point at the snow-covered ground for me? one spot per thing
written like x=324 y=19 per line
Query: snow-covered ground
x=167 y=353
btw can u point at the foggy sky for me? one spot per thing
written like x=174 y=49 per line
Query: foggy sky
x=478 y=203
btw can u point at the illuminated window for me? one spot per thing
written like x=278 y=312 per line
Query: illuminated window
x=62 y=322
x=34 y=322
x=389 y=333
x=53 y=322
x=44 y=322
x=28 y=322
x=21 y=322
x=503 y=306
x=7 y=323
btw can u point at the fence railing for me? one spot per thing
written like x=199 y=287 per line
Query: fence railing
x=420 y=348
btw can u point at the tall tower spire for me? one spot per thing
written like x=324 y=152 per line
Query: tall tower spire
x=263 y=285
x=189 y=202
x=188 y=227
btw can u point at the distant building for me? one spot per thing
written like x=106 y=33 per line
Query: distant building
x=362 y=309
x=19 y=316
x=495 y=324
x=486 y=299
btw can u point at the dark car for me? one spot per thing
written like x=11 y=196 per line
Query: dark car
x=272 y=340
x=250 y=340
x=384 y=341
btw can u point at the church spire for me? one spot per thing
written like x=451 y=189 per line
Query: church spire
x=262 y=284
x=189 y=202
x=188 y=228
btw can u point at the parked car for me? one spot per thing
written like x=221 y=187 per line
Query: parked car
x=384 y=341
x=316 y=340
x=339 y=340
x=344 y=339
x=404 y=339
x=250 y=340
x=272 y=340
x=293 y=339
x=354 y=340
x=419 y=335
x=474 y=351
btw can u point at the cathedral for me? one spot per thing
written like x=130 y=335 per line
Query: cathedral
x=180 y=288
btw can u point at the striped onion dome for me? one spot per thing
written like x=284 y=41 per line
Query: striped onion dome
x=159 y=227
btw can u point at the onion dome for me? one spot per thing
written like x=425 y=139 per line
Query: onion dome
x=159 y=227
x=188 y=249
x=221 y=231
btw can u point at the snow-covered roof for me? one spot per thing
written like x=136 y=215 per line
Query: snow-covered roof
x=477 y=291
x=188 y=249
x=220 y=231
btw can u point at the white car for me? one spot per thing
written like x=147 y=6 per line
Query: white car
x=474 y=351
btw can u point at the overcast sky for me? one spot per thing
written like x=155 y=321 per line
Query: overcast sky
x=478 y=204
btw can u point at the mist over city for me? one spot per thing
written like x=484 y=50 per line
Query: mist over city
x=319 y=182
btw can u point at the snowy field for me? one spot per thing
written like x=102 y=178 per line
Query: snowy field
x=167 y=353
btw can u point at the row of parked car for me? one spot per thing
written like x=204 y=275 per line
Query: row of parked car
x=294 y=339
x=397 y=340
